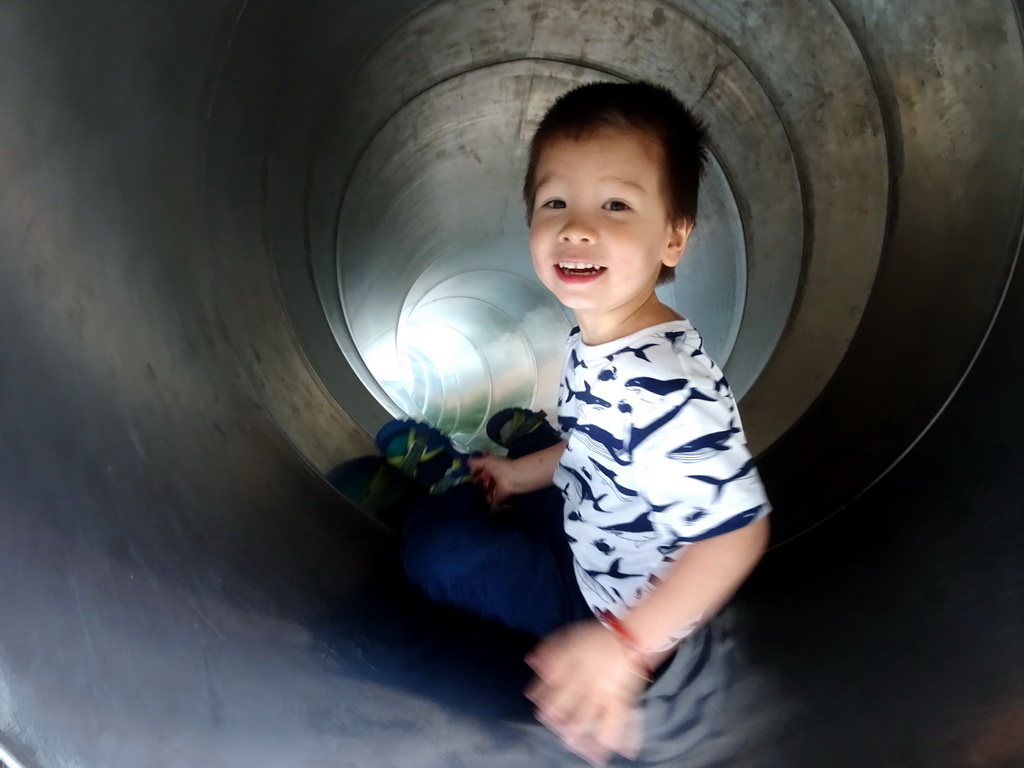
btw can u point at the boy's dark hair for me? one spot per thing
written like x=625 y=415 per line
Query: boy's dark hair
x=642 y=107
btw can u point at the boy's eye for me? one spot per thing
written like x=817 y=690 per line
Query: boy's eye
x=616 y=205
x=554 y=204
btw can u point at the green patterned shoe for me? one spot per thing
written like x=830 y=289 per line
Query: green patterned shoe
x=375 y=487
x=510 y=424
x=424 y=455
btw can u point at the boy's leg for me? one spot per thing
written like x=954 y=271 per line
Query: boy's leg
x=456 y=554
x=539 y=514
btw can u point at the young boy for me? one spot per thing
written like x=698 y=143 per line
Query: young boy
x=664 y=513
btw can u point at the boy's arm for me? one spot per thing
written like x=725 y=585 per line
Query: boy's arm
x=588 y=679
x=510 y=477
x=703 y=579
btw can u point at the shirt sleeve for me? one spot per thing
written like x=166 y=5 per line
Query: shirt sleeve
x=695 y=470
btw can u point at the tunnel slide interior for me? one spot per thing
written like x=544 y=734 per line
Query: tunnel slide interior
x=236 y=237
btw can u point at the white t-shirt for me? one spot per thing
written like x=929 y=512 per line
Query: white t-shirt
x=656 y=459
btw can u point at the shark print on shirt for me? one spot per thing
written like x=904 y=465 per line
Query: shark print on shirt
x=656 y=459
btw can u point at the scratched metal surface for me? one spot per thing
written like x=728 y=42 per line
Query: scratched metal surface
x=177 y=583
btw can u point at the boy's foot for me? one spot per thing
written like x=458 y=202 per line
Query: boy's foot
x=510 y=424
x=424 y=455
x=375 y=487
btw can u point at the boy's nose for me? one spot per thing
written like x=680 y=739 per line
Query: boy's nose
x=577 y=231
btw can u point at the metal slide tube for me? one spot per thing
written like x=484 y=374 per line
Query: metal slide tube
x=236 y=236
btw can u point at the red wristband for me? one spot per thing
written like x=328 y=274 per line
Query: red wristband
x=628 y=640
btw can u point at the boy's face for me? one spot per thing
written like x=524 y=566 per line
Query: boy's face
x=601 y=230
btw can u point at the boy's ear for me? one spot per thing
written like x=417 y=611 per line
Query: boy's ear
x=678 y=236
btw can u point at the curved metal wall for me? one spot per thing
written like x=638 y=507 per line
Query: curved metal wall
x=212 y=212
x=376 y=166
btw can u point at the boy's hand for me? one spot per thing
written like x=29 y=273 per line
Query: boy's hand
x=496 y=475
x=587 y=691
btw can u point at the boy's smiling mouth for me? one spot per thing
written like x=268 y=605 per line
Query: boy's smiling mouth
x=571 y=269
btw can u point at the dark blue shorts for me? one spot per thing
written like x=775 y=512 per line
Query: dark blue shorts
x=516 y=569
